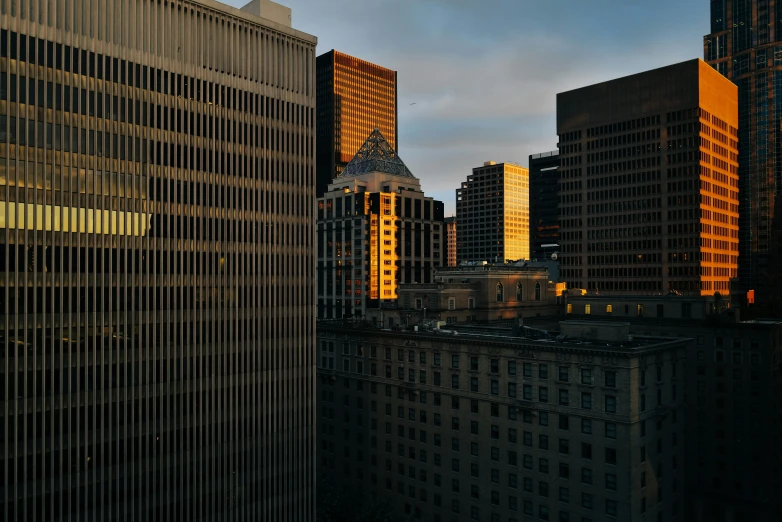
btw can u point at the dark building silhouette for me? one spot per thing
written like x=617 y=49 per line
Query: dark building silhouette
x=156 y=263
x=648 y=178
x=353 y=98
x=543 y=201
x=732 y=396
x=744 y=46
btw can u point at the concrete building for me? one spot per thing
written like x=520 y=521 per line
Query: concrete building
x=489 y=427
x=354 y=97
x=744 y=46
x=734 y=393
x=649 y=182
x=478 y=293
x=450 y=231
x=376 y=229
x=492 y=214
x=156 y=262
x=543 y=203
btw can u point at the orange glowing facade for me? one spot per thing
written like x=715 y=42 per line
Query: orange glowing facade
x=649 y=183
x=353 y=97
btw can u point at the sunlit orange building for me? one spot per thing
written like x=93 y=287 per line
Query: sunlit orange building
x=376 y=229
x=649 y=182
x=353 y=97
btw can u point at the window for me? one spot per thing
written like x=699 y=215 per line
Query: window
x=586 y=426
x=455 y=361
x=611 y=482
x=537 y=292
x=451 y=303
x=494 y=366
x=563 y=397
x=640 y=310
x=587 y=309
x=473 y=384
x=511 y=367
x=586 y=376
x=495 y=387
x=610 y=402
x=564 y=422
x=609 y=309
x=586 y=475
x=586 y=400
x=586 y=500
x=610 y=379
x=611 y=504
x=564 y=373
x=512 y=390
x=527 y=370
x=471 y=303
x=610 y=430
x=500 y=293
x=610 y=456
x=586 y=450
x=519 y=292
x=543 y=371
x=474 y=364
x=564 y=446
x=570 y=308
x=543 y=394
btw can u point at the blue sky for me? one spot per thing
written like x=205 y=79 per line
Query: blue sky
x=484 y=74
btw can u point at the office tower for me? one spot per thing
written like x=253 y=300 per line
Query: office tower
x=156 y=263
x=353 y=97
x=494 y=427
x=492 y=214
x=743 y=46
x=649 y=182
x=450 y=232
x=543 y=201
x=732 y=396
x=376 y=229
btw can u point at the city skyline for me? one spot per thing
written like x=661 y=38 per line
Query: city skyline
x=460 y=120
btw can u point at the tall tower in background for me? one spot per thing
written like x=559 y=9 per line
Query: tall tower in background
x=492 y=214
x=745 y=45
x=543 y=201
x=156 y=295
x=353 y=98
x=649 y=182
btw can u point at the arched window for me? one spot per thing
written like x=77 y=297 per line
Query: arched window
x=537 y=291
x=519 y=292
x=500 y=293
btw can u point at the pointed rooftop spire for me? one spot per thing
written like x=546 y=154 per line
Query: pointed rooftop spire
x=376 y=155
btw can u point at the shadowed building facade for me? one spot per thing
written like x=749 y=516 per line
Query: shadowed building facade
x=156 y=262
x=745 y=45
x=492 y=214
x=543 y=200
x=648 y=184
x=353 y=97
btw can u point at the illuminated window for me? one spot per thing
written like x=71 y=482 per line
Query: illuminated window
x=570 y=308
x=609 y=309
x=587 y=309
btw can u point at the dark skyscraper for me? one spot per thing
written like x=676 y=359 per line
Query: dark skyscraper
x=353 y=98
x=156 y=263
x=744 y=45
x=649 y=182
x=543 y=201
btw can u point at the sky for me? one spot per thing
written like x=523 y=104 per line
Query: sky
x=484 y=74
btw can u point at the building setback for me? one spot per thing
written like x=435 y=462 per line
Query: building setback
x=543 y=202
x=492 y=214
x=494 y=427
x=649 y=182
x=156 y=262
x=744 y=46
x=376 y=229
x=353 y=97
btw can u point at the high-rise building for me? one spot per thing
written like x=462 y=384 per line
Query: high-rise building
x=376 y=229
x=492 y=214
x=744 y=47
x=543 y=202
x=450 y=232
x=649 y=182
x=156 y=262
x=491 y=426
x=353 y=97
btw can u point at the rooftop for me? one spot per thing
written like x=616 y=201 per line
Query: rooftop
x=376 y=155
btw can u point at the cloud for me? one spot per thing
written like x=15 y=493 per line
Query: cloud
x=484 y=75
